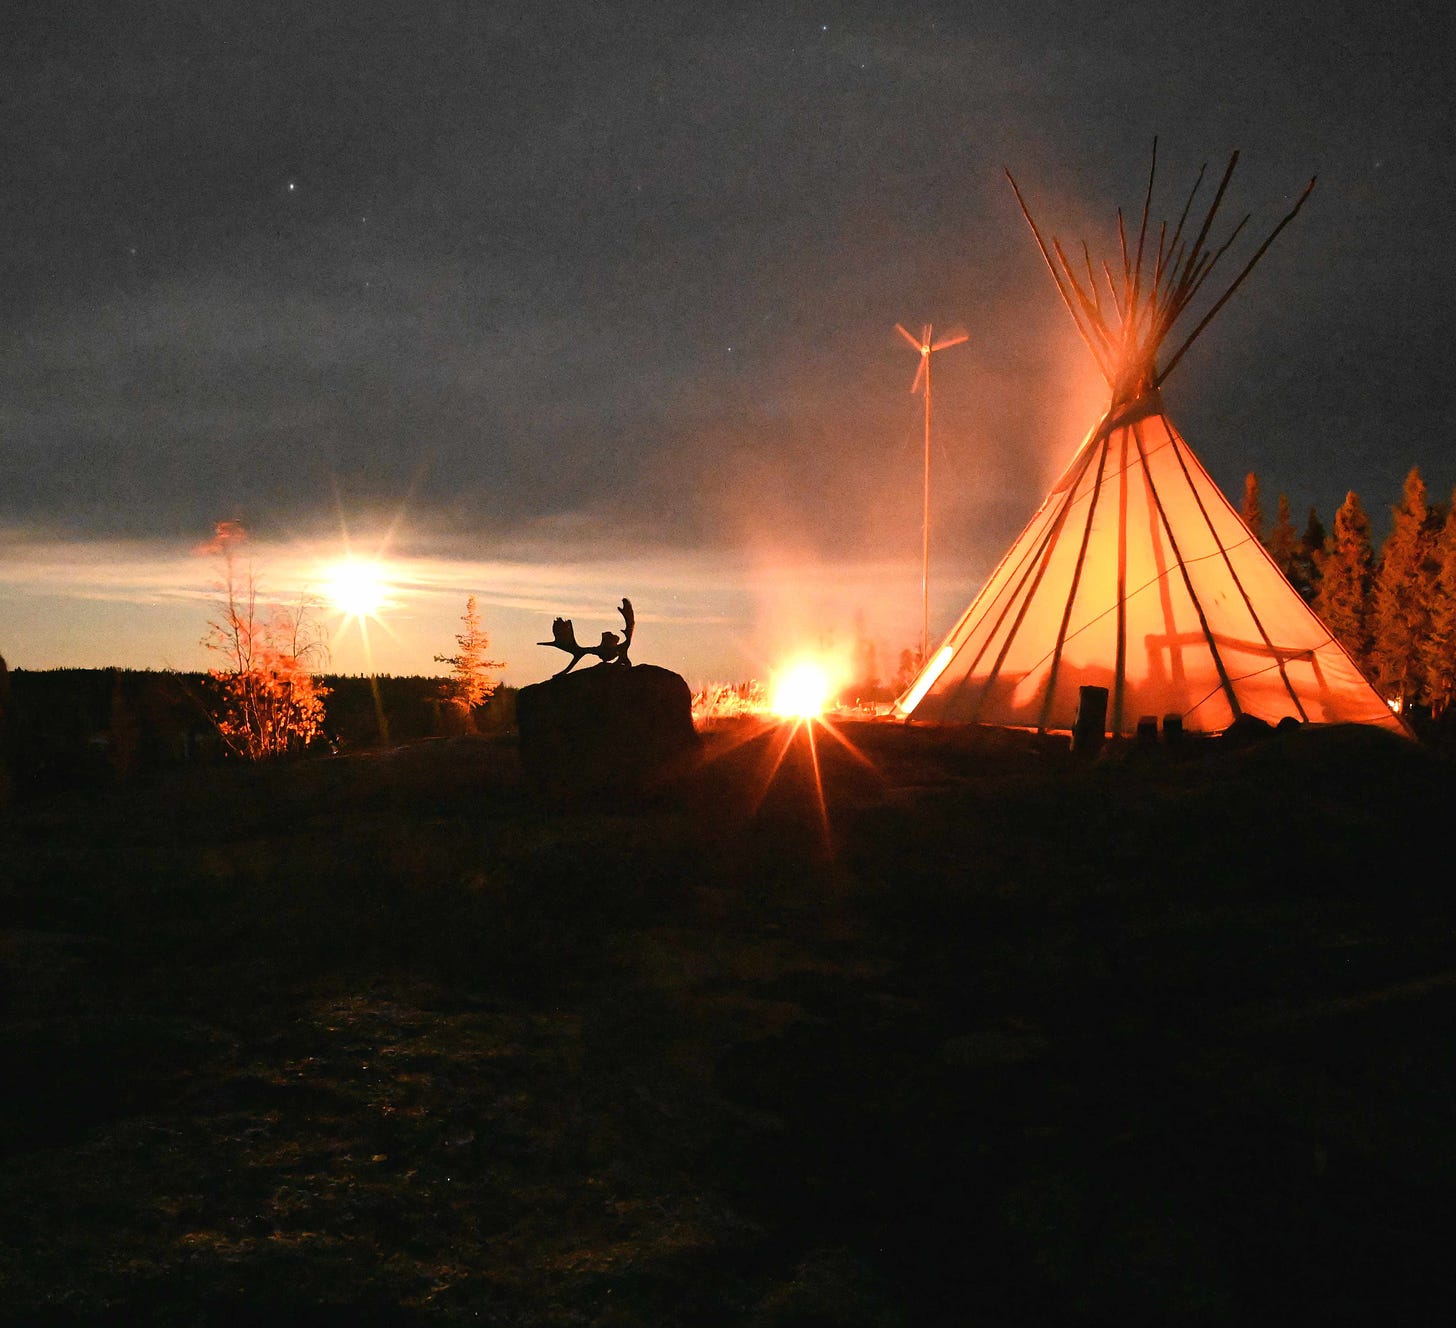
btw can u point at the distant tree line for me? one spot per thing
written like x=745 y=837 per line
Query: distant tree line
x=267 y=696
x=90 y=728
x=1393 y=609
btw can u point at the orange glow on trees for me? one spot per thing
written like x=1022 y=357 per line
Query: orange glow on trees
x=266 y=700
x=472 y=681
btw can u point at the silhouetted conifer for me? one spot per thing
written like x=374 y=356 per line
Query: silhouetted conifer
x=1283 y=544
x=1439 y=651
x=1343 y=596
x=1403 y=588
x=909 y=666
x=1252 y=513
x=1310 y=557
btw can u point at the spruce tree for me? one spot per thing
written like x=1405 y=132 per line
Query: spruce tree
x=470 y=681
x=1439 y=651
x=1283 y=543
x=1252 y=513
x=1343 y=597
x=1403 y=589
x=1310 y=557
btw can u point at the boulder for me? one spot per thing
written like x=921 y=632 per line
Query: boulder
x=613 y=731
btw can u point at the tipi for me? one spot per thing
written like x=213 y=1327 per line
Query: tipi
x=1136 y=574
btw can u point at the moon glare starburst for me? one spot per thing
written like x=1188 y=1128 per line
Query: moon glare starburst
x=356 y=588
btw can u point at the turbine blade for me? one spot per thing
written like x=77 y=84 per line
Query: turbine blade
x=951 y=339
x=912 y=340
x=919 y=373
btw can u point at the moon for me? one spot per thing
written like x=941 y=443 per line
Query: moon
x=356 y=588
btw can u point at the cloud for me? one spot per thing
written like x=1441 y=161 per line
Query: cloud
x=613 y=286
x=704 y=613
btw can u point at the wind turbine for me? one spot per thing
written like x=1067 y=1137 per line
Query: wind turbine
x=926 y=347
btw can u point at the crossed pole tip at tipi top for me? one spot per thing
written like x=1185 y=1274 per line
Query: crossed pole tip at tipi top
x=1126 y=309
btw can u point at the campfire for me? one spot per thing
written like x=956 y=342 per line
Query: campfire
x=805 y=689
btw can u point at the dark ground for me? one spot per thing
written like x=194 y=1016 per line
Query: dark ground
x=376 y=1040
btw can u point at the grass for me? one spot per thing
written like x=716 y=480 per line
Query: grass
x=1013 y=1039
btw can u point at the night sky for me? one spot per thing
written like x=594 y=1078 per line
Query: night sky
x=553 y=303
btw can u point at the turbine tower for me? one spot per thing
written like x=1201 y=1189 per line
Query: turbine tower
x=926 y=347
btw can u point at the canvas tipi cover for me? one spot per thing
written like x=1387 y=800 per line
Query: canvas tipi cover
x=1136 y=574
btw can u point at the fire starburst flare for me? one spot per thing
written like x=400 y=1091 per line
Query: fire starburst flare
x=803 y=691
x=790 y=716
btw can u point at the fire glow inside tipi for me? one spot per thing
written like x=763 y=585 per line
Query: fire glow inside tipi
x=1136 y=574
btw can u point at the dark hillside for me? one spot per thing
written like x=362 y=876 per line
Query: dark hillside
x=96 y=728
x=998 y=1036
